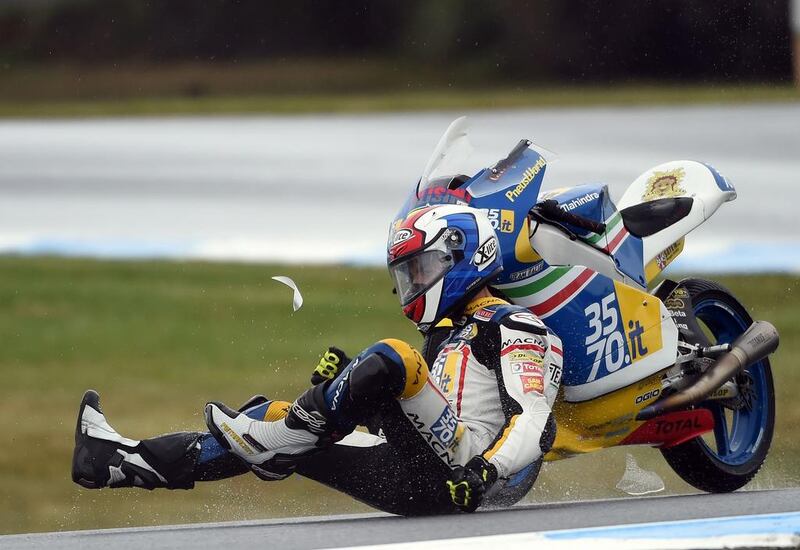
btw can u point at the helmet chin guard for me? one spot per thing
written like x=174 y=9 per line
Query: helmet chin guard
x=439 y=257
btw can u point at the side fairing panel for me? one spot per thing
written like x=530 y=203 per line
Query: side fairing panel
x=592 y=201
x=613 y=334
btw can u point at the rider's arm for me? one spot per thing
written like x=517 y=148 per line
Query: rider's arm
x=523 y=379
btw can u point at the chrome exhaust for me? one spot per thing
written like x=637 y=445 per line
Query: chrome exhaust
x=756 y=343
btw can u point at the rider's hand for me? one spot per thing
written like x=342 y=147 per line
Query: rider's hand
x=468 y=484
x=330 y=364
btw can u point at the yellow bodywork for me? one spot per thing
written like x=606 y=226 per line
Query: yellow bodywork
x=663 y=259
x=601 y=422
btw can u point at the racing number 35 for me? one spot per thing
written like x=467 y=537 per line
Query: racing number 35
x=605 y=343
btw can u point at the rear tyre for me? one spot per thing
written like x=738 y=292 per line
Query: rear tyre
x=743 y=429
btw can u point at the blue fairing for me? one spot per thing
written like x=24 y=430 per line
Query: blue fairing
x=722 y=182
x=588 y=201
x=592 y=201
x=505 y=195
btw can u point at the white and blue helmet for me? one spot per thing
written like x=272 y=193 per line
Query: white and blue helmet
x=439 y=257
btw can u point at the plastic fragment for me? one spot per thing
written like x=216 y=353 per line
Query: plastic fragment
x=297 y=299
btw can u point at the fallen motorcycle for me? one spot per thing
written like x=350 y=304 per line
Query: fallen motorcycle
x=680 y=366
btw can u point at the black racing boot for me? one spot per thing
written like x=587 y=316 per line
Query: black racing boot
x=104 y=458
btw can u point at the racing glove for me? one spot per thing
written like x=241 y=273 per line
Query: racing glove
x=329 y=366
x=468 y=484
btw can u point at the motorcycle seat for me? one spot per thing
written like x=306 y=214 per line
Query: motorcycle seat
x=646 y=218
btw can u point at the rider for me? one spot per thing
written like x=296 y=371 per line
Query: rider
x=451 y=434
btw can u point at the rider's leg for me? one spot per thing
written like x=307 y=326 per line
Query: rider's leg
x=405 y=475
x=387 y=371
x=104 y=458
x=400 y=475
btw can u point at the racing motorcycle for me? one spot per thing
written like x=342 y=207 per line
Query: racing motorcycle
x=680 y=366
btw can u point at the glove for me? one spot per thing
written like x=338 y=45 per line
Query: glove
x=468 y=484
x=330 y=364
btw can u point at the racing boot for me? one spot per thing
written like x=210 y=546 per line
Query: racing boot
x=104 y=458
x=324 y=414
x=273 y=447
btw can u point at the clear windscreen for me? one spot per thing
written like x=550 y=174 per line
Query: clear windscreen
x=454 y=159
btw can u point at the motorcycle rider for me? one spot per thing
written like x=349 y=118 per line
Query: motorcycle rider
x=453 y=433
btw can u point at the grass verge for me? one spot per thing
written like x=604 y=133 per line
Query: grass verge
x=159 y=339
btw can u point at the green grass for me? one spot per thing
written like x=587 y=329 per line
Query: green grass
x=406 y=100
x=159 y=339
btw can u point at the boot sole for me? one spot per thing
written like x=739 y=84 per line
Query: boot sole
x=90 y=398
x=215 y=431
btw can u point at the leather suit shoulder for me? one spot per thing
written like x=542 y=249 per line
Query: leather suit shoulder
x=520 y=318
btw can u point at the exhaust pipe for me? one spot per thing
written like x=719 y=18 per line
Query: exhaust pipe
x=756 y=343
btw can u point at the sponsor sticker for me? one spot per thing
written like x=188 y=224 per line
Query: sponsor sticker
x=527 y=178
x=528 y=367
x=555 y=374
x=502 y=220
x=402 y=235
x=468 y=332
x=531 y=384
x=580 y=201
x=648 y=396
x=665 y=184
x=483 y=314
x=444 y=429
x=517 y=341
x=525 y=273
x=485 y=253
x=519 y=356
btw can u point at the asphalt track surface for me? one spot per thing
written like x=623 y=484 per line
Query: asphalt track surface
x=261 y=187
x=371 y=529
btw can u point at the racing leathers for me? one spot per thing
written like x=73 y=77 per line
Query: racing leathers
x=485 y=400
x=484 y=405
x=499 y=371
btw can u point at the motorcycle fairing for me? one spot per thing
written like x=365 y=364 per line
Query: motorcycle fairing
x=697 y=181
x=672 y=429
x=600 y=423
x=505 y=192
x=610 y=420
x=592 y=201
x=613 y=334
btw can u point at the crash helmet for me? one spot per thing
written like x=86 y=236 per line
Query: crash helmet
x=439 y=257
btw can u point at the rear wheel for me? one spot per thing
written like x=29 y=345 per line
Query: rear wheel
x=729 y=457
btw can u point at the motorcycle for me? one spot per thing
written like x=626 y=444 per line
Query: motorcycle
x=677 y=365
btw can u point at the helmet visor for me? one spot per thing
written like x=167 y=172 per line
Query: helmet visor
x=415 y=275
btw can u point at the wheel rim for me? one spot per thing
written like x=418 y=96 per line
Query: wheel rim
x=737 y=432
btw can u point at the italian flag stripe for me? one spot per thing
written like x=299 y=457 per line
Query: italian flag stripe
x=610 y=224
x=548 y=278
x=616 y=241
x=551 y=304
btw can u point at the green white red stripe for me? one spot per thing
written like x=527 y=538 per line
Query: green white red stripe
x=614 y=236
x=551 y=289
